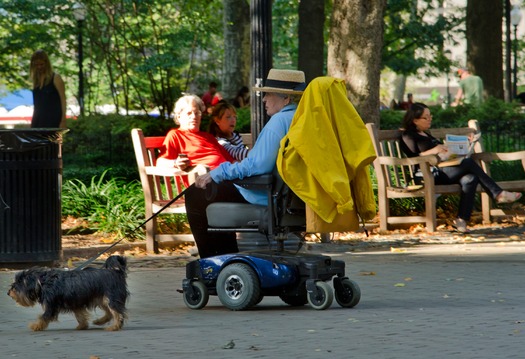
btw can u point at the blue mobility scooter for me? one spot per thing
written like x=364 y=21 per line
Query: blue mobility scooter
x=241 y=280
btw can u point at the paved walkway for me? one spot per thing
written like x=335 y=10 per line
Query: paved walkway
x=425 y=301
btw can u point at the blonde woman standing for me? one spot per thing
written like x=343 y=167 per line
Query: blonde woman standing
x=49 y=97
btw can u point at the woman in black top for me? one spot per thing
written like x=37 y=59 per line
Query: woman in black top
x=49 y=99
x=417 y=141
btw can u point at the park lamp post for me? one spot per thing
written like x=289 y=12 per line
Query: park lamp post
x=515 y=18
x=79 y=11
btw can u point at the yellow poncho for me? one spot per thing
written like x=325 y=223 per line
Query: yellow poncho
x=324 y=157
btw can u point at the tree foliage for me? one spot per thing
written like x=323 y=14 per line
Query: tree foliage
x=142 y=54
x=139 y=54
x=28 y=25
x=415 y=32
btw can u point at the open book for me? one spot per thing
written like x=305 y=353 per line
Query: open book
x=459 y=147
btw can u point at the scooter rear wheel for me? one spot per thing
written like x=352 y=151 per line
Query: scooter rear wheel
x=238 y=287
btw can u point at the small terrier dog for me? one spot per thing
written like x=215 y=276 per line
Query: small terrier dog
x=76 y=291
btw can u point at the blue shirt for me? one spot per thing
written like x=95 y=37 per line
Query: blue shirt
x=261 y=158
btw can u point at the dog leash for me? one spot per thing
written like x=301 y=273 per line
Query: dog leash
x=92 y=259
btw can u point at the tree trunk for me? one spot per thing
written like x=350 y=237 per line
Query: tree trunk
x=354 y=52
x=484 y=44
x=311 y=42
x=237 y=60
x=399 y=83
x=261 y=44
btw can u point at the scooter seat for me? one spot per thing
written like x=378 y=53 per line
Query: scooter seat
x=236 y=215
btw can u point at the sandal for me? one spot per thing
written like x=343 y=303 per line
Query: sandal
x=508 y=197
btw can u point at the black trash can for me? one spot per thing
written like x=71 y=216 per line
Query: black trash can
x=30 y=195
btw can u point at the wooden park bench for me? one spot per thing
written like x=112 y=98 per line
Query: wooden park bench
x=395 y=177
x=160 y=186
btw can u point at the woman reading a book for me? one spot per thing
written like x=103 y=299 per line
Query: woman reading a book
x=417 y=141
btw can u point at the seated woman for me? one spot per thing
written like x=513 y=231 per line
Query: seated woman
x=222 y=126
x=417 y=141
x=196 y=147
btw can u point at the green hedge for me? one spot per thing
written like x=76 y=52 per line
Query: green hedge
x=101 y=142
x=491 y=111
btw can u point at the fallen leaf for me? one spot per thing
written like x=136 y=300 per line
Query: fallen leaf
x=367 y=273
x=399 y=285
x=397 y=250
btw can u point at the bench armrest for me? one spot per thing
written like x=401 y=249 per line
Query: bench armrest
x=164 y=171
x=502 y=156
x=394 y=161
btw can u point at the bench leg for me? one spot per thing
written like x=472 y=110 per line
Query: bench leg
x=430 y=211
x=152 y=245
x=384 y=211
x=486 y=204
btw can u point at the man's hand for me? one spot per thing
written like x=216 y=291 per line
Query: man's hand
x=203 y=180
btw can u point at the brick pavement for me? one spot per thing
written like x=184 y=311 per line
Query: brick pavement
x=459 y=300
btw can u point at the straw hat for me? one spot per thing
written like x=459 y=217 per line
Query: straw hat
x=284 y=81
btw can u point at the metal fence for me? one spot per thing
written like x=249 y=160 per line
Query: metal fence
x=503 y=136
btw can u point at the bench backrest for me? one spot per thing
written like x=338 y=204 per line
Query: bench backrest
x=157 y=188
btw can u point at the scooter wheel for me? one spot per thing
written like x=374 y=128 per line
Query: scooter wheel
x=323 y=297
x=198 y=298
x=238 y=287
x=347 y=293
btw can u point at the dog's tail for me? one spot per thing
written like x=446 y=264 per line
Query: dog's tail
x=117 y=263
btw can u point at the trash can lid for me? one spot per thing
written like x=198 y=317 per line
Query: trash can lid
x=28 y=139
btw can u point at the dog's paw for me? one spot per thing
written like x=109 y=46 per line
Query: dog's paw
x=114 y=328
x=82 y=326
x=102 y=321
x=38 y=326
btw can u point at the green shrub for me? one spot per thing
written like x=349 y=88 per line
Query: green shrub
x=244 y=120
x=109 y=205
x=112 y=205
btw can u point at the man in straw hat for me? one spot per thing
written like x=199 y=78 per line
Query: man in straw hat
x=282 y=90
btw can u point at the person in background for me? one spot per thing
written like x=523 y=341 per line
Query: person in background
x=417 y=141
x=470 y=89
x=243 y=98
x=196 y=146
x=521 y=98
x=49 y=95
x=281 y=95
x=222 y=125
x=405 y=105
x=211 y=97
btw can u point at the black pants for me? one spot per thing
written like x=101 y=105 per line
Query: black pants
x=197 y=200
x=468 y=174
